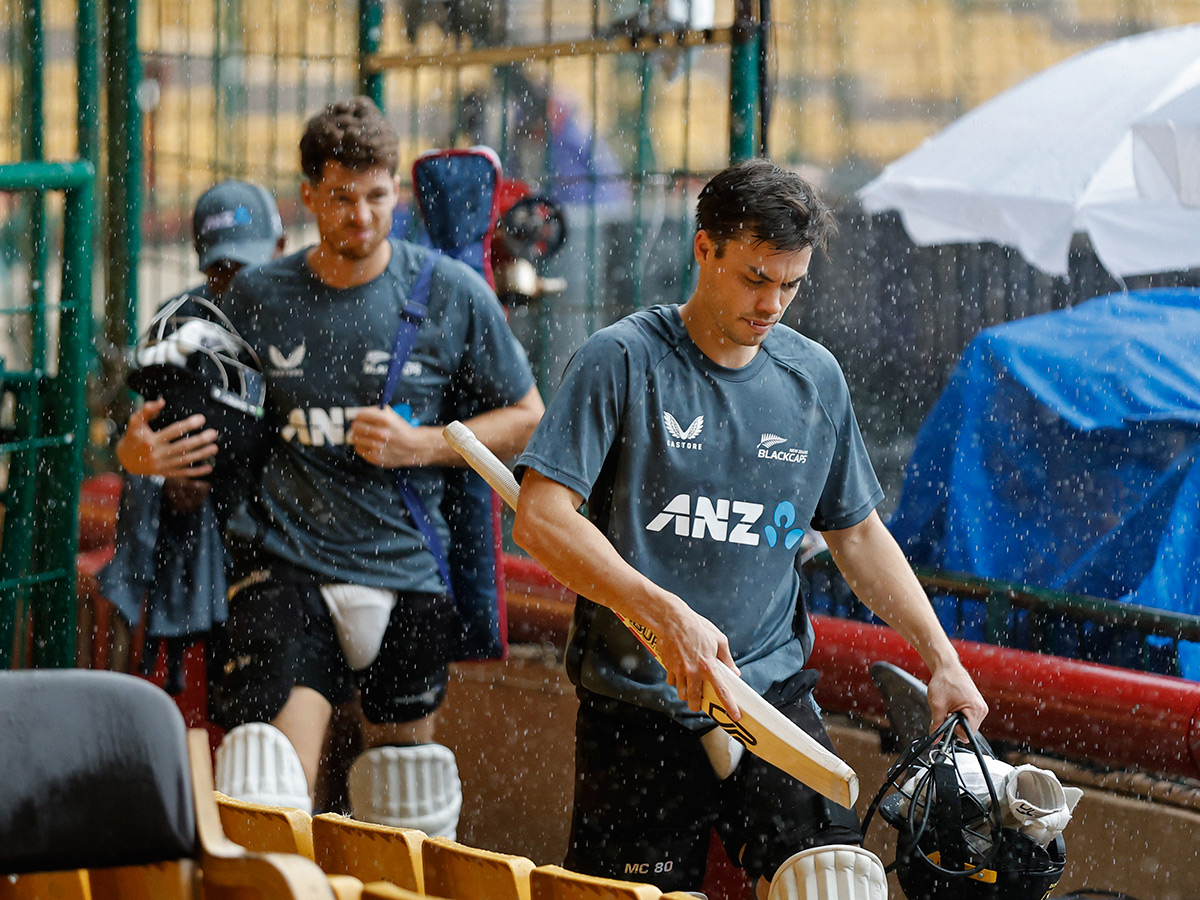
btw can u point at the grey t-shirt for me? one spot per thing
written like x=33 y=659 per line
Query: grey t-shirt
x=325 y=353
x=703 y=478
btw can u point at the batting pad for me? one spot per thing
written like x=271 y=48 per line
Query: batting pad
x=834 y=872
x=408 y=787
x=257 y=763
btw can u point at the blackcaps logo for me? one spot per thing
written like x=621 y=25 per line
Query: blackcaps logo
x=769 y=441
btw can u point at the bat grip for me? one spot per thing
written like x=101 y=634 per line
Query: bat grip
x=483 y=461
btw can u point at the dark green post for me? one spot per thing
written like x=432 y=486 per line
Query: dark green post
x=20 y=496
x=124 y=179
x=744 y=83
x=87 y=55
x=370 y=38
x=61 y=469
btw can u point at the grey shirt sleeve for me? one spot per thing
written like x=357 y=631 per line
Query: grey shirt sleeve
x=851 y=488
x=583 y=419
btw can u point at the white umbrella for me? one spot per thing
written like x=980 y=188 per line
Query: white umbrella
x=1052 y=157
x=1166 y=143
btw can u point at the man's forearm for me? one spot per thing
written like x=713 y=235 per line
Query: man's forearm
x=504 y=431
x=875 y=569
x=578 y=555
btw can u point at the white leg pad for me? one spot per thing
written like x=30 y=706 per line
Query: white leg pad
x=835 y=872
x=256 y=762
x=408 y=787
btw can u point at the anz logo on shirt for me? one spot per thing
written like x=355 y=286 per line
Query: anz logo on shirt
x=315 y=427
x=711 y=519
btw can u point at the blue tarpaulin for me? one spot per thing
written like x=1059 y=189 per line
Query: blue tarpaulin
x=1065 y=453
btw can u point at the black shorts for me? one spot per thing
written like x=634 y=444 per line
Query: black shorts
x=646 y=798
x=279 y=634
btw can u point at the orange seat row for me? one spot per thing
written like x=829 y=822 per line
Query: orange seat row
x=403 y=864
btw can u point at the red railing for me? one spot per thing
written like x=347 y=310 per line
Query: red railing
x=1083 y=711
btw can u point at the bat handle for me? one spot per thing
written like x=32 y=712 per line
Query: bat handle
x=483 y=461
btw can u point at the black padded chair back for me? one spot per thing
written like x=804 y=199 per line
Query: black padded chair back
x=93 y=772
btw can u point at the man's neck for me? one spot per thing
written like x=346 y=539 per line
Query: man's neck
x=710 y=341
x=337 y=271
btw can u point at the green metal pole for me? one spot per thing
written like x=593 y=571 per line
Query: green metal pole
x=370 y=38
x=54 y=634
x=125 y=165
x=87 y=55
x=643 y=161
x=229 y=84
x=34 y=81
x=21 y=507
x=743 y=83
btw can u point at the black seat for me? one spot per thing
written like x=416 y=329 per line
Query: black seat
x=95 y=772
x=98 y=772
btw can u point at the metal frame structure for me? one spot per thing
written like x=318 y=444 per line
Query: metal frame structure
x=910 y=293
x=44 y=449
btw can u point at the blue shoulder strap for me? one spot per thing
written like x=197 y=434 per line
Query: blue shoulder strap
x=416 y=306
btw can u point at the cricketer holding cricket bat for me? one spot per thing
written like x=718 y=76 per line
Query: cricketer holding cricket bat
x=704 y=439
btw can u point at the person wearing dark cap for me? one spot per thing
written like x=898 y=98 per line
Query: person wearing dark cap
x=236 y=224
x=169 y=544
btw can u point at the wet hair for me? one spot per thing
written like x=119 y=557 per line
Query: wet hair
x=351 y=132
x=768 y=204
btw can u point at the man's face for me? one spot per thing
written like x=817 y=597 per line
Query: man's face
x=353 y=208
x=744 y=290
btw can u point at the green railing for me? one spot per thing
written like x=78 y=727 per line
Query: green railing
x=43 y=446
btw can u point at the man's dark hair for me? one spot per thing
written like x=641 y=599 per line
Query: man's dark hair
x=351 y=132
x=767 y=203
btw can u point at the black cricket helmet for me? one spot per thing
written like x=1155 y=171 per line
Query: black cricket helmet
x=951 y=843
x=193 y=357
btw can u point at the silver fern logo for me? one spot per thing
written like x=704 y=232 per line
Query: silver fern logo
x=288 y=364
x=766 y=450
x=684 y=437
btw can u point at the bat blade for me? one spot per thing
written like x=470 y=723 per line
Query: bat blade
x=762 y=729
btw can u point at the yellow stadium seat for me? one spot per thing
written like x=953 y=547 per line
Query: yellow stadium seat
x=369 y=852
x=557 y=883
x=266 y=829
x=465 y=873
x=345 y=887
x=383 y=890
x=47 y=886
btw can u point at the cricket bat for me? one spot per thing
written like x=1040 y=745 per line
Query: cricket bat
x=763 y=729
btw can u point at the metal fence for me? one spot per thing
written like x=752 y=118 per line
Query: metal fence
x=45 y=424
x=619 y=108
